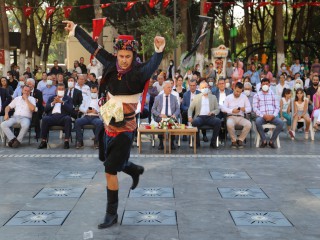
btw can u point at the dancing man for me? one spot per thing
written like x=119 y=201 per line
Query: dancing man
x=124 y=79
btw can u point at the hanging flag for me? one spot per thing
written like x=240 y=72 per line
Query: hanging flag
x=8 y=8
x=2 y=60
x=105 y=5
x=249 y=4
x=27 y=11
x=277 y=3
x=85 y=6
x=97 y=26
x=129 y=6
x=153 y=3
x=49 y=12
x=202 y=30
x=67 y=11
x=316 y=4
x=207 y=7
x=165 y=3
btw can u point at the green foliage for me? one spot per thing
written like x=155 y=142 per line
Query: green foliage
x=159 y=25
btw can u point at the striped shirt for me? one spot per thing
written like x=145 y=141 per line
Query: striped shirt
x=265 y=104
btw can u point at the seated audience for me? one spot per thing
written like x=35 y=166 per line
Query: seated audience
x=206 y=108
x=43 y=83
x=4 y=85
x=49 y=90
x=90 y=110
x=24 y=106
x=18 y=91
x=267 y=108
x=80 y=85
x=76 y=96
x=236 y=105
x=58 y=109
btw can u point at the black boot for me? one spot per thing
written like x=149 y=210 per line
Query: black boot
x=134 y=171
x=111 y=216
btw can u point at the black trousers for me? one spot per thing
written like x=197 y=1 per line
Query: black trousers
x=57 y=119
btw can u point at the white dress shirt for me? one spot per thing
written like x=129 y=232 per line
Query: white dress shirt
x=231 y=103
x=205 y=107
x=85 y=89
x=222 y=97
x=174 y=93
x=56 y=108
x=21 y=107
x=163 y=111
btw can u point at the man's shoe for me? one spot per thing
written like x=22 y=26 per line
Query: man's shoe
x=234 y=145
x=79 y=145
x=214 y=145
x=205 y=139
x=240 y=144
x=271 y=144
x=11 y=142
x=43 y=144
x=96 y=144
x=161 y=147
x=173 y=147
x=15 y=143
x=263 y=144
x=66 y=145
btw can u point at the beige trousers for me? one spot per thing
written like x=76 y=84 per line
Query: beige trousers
x=233 y=121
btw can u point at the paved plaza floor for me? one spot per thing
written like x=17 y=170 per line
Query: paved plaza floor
x=220 y=194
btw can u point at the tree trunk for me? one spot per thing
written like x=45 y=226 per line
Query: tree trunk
x=201 y=48
x=211 y=39
x=279 y=36
x=33 y=49
x=226 y=29
x=47 y=44
x=23 y=41
x=98 y=14
x=184 y=23
x=6 y=44
x=248 y=26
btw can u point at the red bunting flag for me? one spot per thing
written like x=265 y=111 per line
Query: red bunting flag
x=85 y=6
x=249 y=4
x=165 y=3
x=67 y=11
x=299 y=5
x=316 y=4
x=227 y=4
x=129 y=6
x=277 y=3
x=105 y=5
x=97 y=26
x=27 y=11
x=2 y=60
x=263 y=4
x=8 y=8
x=49 y=11
x=207 y=7
x=153 y=3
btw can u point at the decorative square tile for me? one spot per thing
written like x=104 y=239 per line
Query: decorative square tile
x=156 y=192
x=38 y=218
x=152 y=217
x=60 y=193
x=259 y=218
x=242 y=193
x=76 y=175
x=314 y=191
x=218 y=175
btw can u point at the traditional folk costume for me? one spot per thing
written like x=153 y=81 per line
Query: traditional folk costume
x=118 y=113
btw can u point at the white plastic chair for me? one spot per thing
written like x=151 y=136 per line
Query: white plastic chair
x=271 y=128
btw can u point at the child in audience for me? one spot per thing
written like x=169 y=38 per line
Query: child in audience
x=285 y=109
x=301 y=112
x=316 y=109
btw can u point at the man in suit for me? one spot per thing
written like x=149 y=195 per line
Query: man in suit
x=59 y=109
x=165 y=105
x=76 y=96
x=205 y=106
x=37 y=115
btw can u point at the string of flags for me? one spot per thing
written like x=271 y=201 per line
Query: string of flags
x=27 y=11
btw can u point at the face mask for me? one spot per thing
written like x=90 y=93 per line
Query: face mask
x=94 y=95
x=273 y=84
x=265 y=88
x=302 y=68
x=39 y=71
x=284 y=68
x=17 y=70
x=210 y=84
x=60 y=93
x=189 y=77
x=21 y=83
x=171 y=64
x=49 y=82
x=70 y=84
x=298 y=85
x=247 y=92
x=94 y=62
x=204 y=90
x=8 y=77
x=227 y=85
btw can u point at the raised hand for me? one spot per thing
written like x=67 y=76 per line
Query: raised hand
x=70 y=25
x=159 y=41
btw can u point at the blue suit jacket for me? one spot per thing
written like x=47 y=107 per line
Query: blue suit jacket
x=186 y=100
x=66 y=108
x=217 y=93
x=157 y=107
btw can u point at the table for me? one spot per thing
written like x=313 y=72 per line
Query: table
x=143 y=130
x=192 y=132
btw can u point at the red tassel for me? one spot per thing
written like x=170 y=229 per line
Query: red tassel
x=165 y=3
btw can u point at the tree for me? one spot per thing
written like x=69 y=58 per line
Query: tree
x=159 y=25
x=5 y=36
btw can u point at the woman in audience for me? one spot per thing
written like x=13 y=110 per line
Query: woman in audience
x=179 y=88
x=301 y=112
x=4 y=84
x=285 y=109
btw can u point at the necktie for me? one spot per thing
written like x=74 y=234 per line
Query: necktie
x=70 y=93
x=167 y=106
